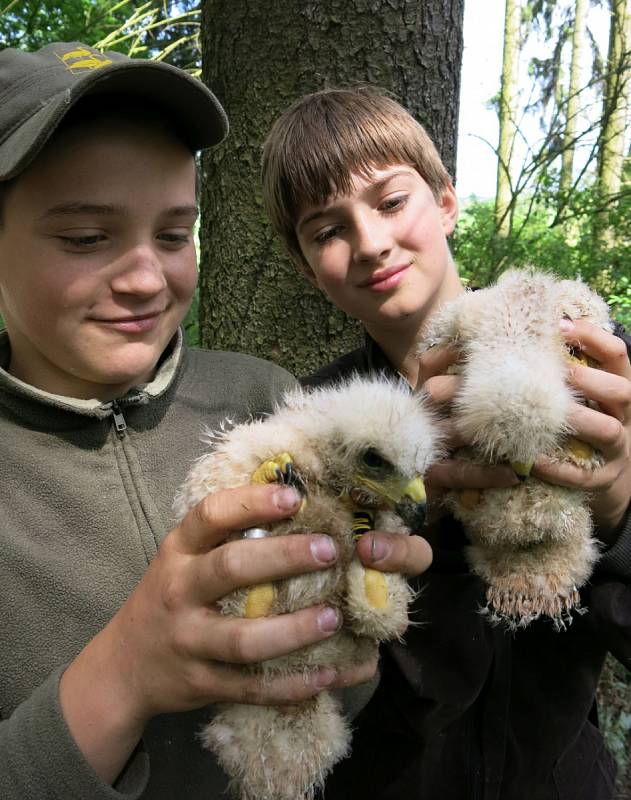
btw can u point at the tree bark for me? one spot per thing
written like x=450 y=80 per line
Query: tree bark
x=508 y=91
x=258 y=58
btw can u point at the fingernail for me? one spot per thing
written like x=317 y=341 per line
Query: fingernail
x=323 y=678
x=566 y=325
x=323 y=549
x=286 y=498
x=379 y=549
x=329 y=620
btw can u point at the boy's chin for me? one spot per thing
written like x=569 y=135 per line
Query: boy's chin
x=129 y=372
x=393 y=313
x=133 y=376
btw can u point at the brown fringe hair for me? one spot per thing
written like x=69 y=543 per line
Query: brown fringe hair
x=316 y=146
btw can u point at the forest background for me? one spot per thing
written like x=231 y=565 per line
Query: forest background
x=560 y=157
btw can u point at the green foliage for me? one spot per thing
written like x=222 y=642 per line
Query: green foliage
x=620 y=301
x=31 y=24
x=590 y=240
x=159 y=30
x=154 y=29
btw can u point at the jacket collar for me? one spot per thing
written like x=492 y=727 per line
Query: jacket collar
x=377 y=359
x=16 y=393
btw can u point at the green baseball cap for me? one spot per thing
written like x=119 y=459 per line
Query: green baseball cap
x=37 y=90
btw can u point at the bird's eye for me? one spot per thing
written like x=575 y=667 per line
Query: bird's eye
x=373 y=459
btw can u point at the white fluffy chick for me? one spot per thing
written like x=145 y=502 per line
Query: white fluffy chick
x=533 y=543
x=357 y=452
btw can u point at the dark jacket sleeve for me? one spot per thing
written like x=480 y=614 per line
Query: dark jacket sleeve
x=610 y=593
x=617 y=559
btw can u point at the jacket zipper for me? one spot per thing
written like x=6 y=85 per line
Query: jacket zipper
x=131 y=483
x=119 y=421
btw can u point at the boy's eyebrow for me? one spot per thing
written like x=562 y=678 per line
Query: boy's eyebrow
x=79 y=207
x=310 y=217
x=377 y=185
x=109 y=210
x=182 y=211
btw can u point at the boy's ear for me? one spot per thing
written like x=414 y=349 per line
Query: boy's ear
x=448 y=208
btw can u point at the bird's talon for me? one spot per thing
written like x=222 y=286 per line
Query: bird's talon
x=279 y=469
x=363 y=521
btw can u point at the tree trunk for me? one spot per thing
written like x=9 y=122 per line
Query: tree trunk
x=258 y=58
x=573 y=104
x=616 y=101
x=507 y=103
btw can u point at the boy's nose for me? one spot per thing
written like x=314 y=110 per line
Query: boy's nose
x=373 y=239
x=139 y=273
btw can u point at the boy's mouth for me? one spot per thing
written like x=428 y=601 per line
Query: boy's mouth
x=385 y=279
x=133 y=323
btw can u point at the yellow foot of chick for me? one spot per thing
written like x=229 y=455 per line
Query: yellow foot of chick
x=280 y=469
x=260 y=599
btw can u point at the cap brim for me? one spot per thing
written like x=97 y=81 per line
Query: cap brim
x=199 y=117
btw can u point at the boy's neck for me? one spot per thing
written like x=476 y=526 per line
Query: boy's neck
x=400 y=348
x=399 y=339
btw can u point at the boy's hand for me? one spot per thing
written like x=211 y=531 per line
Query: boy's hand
x=169 y=649
x=453 y=473
x=191 y=663
x=608 y=429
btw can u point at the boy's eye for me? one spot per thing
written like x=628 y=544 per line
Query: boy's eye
x=395 y=203
x=87 y=242
x=175 y=238
x=326 y=235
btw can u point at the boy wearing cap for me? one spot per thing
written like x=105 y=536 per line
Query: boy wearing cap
x=109 y=617
x=358 y=193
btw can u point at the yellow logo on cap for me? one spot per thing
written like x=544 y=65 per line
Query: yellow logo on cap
x=82 y=58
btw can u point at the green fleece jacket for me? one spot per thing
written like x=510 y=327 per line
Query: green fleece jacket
x=85 y=500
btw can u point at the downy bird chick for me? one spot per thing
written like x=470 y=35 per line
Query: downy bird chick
x=357 y=452
x=532 y=544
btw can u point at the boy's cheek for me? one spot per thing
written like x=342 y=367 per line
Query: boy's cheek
x=187 y=286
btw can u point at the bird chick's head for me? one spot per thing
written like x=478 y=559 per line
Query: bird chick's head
x=576 y=301
x=375 y=440
x=377 y=483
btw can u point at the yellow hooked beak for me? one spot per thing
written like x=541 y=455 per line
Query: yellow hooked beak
x=406 y=497
x=521 y=469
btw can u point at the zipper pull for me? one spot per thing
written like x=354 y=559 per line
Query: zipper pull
x=119 y=420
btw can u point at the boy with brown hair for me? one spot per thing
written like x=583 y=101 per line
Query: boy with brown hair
x=359 y=195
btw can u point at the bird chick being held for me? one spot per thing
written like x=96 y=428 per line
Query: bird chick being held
x=357 y=453
x=532 y=544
